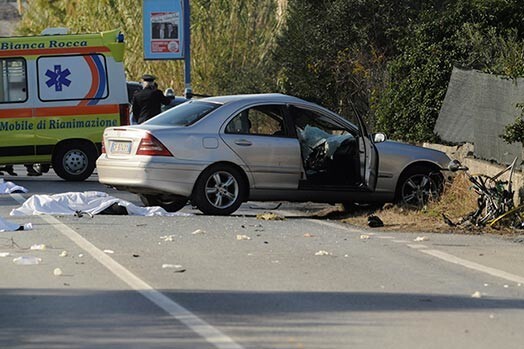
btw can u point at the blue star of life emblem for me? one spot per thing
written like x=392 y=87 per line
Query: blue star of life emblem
x=58 y=77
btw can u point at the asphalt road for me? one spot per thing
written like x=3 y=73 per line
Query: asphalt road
x=369 y=290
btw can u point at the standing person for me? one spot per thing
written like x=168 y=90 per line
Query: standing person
x=172 y=31
x=147 y=102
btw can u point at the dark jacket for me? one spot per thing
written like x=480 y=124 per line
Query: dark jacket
x=147 y=103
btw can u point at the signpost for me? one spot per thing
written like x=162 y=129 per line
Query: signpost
x=166 y=29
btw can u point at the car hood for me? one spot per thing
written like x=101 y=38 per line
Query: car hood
x=411 y=153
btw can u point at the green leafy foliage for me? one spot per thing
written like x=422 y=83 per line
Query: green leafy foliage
x=484 y=35
x=387 y=60
x=229 y=39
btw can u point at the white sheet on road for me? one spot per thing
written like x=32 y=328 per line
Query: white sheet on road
x=6 y=225
x=92 y=202
x=10 y=187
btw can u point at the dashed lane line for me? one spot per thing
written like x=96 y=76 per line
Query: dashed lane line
x=193 y=322
x=438 y=254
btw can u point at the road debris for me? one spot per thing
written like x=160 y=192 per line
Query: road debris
x=243 y=237
x=27 y=260
x=177 y=267
x=109 y=251
x=168 y=238
x=421 y=238
x=308 y=235
x=80 y=255
x=198 y=231
x=365 y=237
x=323 y=253
x=38 y=247
x=63 y=254
x=476 y=294
x=5 y=254
x=57 y=272
x=375 y=222
x=270 y=216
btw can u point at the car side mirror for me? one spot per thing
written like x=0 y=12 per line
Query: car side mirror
x=379 y=137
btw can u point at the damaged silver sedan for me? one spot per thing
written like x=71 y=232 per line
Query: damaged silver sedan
x=218 y=152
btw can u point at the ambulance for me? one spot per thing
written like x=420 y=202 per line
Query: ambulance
x=58 y=93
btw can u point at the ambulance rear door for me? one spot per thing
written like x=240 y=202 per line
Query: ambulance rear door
x=16 y=110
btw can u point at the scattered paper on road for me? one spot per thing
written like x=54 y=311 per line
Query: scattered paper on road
x=5 y=254
x=476 y=294
x=364 y=237
x=168 y=238
x=243 y=237
x=198 y=231
x=57 y=272
x=109 y=251
x=38 y=247
x=421 y=238
x=322 y=253
x=27 y=260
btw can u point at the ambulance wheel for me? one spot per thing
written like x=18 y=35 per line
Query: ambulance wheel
x=75 y=161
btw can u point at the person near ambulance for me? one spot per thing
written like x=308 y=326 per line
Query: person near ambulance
x=148 y=102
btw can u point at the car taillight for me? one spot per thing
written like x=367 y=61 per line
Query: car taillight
x=151 y=146
x=103 y=147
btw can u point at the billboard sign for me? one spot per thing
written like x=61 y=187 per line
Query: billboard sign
x=163 y=27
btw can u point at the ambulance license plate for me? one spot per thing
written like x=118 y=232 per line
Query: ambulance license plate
x=120 y=147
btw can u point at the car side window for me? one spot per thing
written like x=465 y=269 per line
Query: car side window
x=265 y=120
x=313 y=128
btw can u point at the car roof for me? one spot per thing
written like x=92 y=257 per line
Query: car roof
x=256 y=98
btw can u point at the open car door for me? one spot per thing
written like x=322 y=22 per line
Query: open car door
x=369 y=155
x=336 y=153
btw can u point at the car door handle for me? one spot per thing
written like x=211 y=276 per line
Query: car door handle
x=243 y=142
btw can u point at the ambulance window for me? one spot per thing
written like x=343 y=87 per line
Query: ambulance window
x=13 y=88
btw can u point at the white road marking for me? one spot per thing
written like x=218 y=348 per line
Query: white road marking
x=441 y=255
x=206 y=331
x=475 y=266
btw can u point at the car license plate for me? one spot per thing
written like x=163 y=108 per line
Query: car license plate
x=120 y=147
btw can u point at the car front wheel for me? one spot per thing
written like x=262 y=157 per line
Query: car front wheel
x=418 y=186
x=220 y=190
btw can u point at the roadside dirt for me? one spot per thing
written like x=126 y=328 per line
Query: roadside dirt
x=456 y=202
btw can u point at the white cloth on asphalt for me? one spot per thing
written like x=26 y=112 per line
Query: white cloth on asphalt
x=91 y=202
x=10 y=187
x=6 y=225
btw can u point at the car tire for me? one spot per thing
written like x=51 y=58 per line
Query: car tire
x=75 y=161
x=171 y=203
x=219 y=190
x=418 y=186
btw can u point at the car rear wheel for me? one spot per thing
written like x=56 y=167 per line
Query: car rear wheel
x=220 y=190
x=171 y=203
x=418 y=186
x=75 y=161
